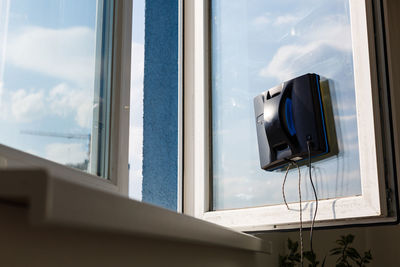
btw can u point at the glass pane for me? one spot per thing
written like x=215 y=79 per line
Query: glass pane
x=54 y=80
x=257 y=45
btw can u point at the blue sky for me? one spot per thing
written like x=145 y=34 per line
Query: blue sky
x=47 y=57
x=47 y=81
x=256 y=46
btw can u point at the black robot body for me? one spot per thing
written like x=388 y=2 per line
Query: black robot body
x=287 y=117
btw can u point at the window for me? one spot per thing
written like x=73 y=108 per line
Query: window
x=272 y=44
x=244 y=48
x=369 y=195
x=51 y=113
x=73 y=103
x=64 y=80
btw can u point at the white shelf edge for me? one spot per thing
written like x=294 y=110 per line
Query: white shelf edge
x=56 y=201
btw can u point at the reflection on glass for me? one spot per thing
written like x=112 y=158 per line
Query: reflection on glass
x=257 y=45
x=48 y=87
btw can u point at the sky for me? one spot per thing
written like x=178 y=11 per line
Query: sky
x=257 y=45
x=47 y=77
x=136 y=111
x=47 y=63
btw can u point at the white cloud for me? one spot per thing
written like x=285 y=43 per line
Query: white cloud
x=136 y=122
x=254 y=188
x=286 y=19
x=313 y=47
x=276 y=21
x=352 y=118
x=137 y=62
x=62 y=53
x=261 y=20
x=64 y=101
x=135 y=184
x=135 y=161
x=245 y=197
x=66 y=54
x=27 y=106
x=137 y=69
x=135 y=147
x=136 y=100
x=66 y=153
x=246 y=190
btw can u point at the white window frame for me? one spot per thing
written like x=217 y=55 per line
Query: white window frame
x=118 y=174
x=370 y=207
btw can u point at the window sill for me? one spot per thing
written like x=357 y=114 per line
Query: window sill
x=54 y=201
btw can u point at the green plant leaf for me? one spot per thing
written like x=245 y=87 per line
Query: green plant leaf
x=349 y=239
x=289 y=243
x=344 y=252
x=340 y=242
x=294 y=257
x=295 y=246
x=368 y=255
x=336 y=251
x=309 y=255
x=353 y=253
x=282 y=261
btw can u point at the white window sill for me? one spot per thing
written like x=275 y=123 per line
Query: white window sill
x=55 y=201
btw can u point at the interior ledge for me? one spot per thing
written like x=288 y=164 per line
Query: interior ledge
x=55 y=201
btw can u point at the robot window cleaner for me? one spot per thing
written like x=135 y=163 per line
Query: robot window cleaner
x=293 y=117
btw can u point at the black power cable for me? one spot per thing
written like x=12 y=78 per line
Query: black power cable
x=315 y=194
x=283 y=185
x=290 y=163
